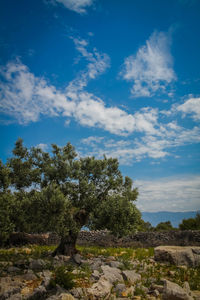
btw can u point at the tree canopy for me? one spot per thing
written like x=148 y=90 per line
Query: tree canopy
x=191 y=223
x=60 y=192
x=164 y=226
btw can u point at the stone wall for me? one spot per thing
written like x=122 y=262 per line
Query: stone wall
x=103 y=238
x=141 y=239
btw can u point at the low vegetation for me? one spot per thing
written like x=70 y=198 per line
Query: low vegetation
x=140 y=259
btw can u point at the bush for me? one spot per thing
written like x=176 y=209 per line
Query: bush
x=191 y=223
x=62 y=277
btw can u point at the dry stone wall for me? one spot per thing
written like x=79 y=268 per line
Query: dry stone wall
x=141 y=239
x=105 y=239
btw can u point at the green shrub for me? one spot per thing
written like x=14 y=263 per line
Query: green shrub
x=62 y=277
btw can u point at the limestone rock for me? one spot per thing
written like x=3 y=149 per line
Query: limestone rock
x=15 y=297
x=196 y=295
x=186 y=287
x=173 y=291
x=131 y=276
x=119 y=289
x=12 y=269
x=96 y=264
x=77 y=258
x=188 y=256
x=29 y=276
x=100 y=289
x=115 y=264
x=77 y=292
x=37 y=264
x=65 y=296
x=38 y=293
x=111 y=274
x=96 y=275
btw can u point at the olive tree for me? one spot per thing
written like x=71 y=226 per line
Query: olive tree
x=61 y=192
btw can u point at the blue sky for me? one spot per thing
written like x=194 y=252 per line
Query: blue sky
x=113 y=77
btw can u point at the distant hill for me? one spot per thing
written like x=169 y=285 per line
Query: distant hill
x=162 y=216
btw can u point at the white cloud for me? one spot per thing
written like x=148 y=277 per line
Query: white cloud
x=128 y=152
x=91 y=111
x=92 y=140
x=191 y=107
x=25 y=97
x=78 y=6
x=169 y=194
x=98 y=62
x=150 y=69
x=43 y=147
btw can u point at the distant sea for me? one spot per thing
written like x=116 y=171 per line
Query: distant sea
x=162 y=216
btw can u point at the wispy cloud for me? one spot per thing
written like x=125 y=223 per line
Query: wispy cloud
x=156 y=147
x=98 y=62
x=150 y=69
x=169 y=194
x=79 y=6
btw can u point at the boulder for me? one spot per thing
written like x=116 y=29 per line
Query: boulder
x=111 y=274
x=15 y=297
x=131 y=276
x=37 y=264
x=12 y=269
x=173 y=291
x=77 y=258
x=38 y=293
x=96 y=275
x=115 y=264
x=196 y=295
x=120 y=288
x=100 y=289
x=65 y=296
x=188 y=256
x=77 y=292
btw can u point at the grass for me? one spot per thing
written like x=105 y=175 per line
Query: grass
x=138 y=259
x=18 y=253
x=119 y=253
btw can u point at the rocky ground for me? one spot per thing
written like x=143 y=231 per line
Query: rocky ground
x=98 y=273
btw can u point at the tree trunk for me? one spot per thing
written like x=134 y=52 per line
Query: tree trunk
x=67 y=245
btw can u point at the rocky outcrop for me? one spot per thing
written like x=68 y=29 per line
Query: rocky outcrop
x=173 y=291
x=100 y=289
x=187 y=256
x=95 y=278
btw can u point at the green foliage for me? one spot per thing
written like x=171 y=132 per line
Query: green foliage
x=4 y=177
x=6 y=211
x=48 y=209
x=20 y=166
x=62 y=277
x=191 y=223
x=117 y=214
x=60 y=192
x=145 y=226
x=164 y=226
